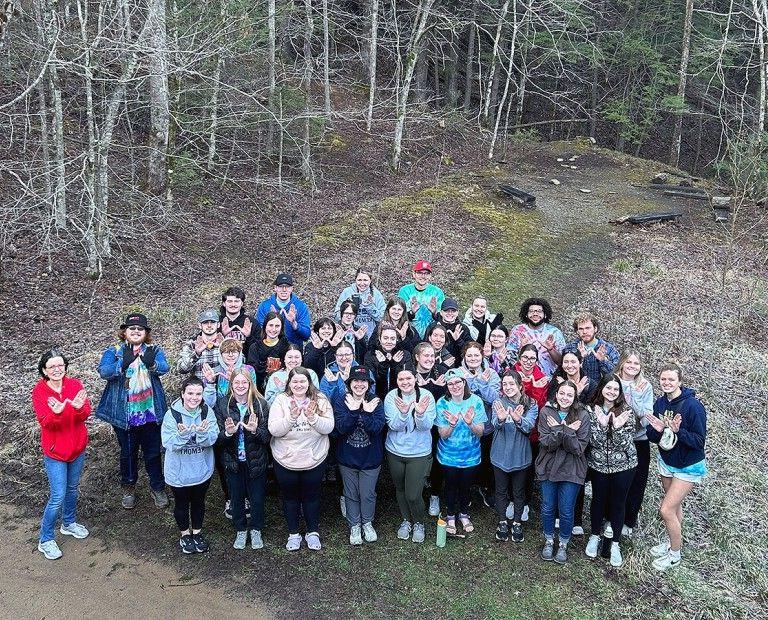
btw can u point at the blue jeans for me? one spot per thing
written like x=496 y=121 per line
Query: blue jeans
x=558 y=497
x=146 y=437
x=64 y=480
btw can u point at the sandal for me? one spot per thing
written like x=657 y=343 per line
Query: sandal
x=313 y=541
x=466 y=524
x=450 y=527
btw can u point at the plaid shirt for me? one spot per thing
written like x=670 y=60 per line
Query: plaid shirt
x=593 y=367
x=190 y=361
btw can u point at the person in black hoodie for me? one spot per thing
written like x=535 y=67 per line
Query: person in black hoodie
x=396 y=315
x=320 y=351
x=234 y=322
x=456 y=333
x=437 y=336
x=386 y=360
x=679 y=426
x=354 y=333
x=430 y=374
x=267 y=352
x=242 y=416
x=480 y=322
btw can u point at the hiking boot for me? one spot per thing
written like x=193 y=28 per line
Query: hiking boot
x=593 y=545
x=240 y=540
x=187 y=544
x=369 y=532
x=418 y=533
x=502 y=531
x=616 y=559
x=228 y=509
x=548 y=552
x=517 y=533
x=404 y=531
x=294 y=542
x=669 y=560
x=661 y=549
x=256 y=541
x=129 y=498
x=562 y=553
x=49 y=549
x=74 y=529
x=356 y=535
x=526 y=513
x=434 y=505
x=201 y=543
x=160 y=497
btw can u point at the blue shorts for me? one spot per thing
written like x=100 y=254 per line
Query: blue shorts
x=665 y=472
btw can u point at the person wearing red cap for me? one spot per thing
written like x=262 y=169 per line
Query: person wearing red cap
x=422 y=297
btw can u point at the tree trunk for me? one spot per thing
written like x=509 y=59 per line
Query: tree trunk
x=674 y=151
x=452 y=87
x=223 y=10
x=760 y=8
x=469 y=70
x=326 y=63
x=306 y=163
x=510 y=67
x=271 y=47
x=159 y=100
x=492 y=79
x=372 y=62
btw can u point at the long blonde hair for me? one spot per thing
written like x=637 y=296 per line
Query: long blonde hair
x=623 y=360
x=253 y=391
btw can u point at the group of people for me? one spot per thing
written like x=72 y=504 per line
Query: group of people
x=448 y=403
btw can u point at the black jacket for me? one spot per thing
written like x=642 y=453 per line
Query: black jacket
x=385 y=373
x=454 y=346
x=265 y=359
x=256 y=444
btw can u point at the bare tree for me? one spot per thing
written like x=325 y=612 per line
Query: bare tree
x=674 y=152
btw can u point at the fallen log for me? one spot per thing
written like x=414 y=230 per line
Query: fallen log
x=694 y=193
x=649 y=218
x=520 y=196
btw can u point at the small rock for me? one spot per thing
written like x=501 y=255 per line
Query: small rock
x=554 y=182
x=592 y=140
x=574 y=167
x=585 y=191
x=660 y=179
x=574 y=158
x=441 y=124
x=560 y=159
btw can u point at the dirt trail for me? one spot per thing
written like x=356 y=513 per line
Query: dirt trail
x=93 y=581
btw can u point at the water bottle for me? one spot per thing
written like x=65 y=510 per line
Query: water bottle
x=441 y=533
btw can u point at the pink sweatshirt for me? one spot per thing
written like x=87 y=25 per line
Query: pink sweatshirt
x=297 y=444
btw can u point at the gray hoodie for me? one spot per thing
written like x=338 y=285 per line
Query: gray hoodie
x=189 y=455
x=511 y=448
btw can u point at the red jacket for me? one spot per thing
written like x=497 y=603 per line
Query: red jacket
x=539 y=394
x=63 y=436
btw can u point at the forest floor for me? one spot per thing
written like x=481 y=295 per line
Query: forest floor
x=657 y=289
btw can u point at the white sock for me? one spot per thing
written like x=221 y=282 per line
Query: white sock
x=675 y=555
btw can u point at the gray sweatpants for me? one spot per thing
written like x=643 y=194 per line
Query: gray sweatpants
x=359 y=493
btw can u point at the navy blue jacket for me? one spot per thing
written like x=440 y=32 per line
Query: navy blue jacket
x=295 y=336
x=361 y=435
x=689 y=448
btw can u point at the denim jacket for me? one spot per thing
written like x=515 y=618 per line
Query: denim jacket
x=111 y=407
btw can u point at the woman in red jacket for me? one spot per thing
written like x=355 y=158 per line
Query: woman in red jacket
x=61 y=406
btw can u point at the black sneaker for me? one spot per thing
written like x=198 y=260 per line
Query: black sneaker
x=201 y=544
x=187 y=544
x=517 y=533
x=502 y=531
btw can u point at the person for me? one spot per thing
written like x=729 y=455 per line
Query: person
x=300 y=420
x=233 y=321
x=386 y=359
x=430 y=374
x=359 y=424
x=410 y=414
x=229 y=359
x=242 y=416
x=291 y=310
x=460 y=418
x=561 y=466
x=61 y=406
x=495 y=350
x=323 y=340
x=334 y=379
x=638 y=393
x=535 y=328
x=188 y=433
x=679 y=426
x=395 y=315
x=485 y=383
x=134 y=403
x=266 y=354
x=203 y=348
x=422 y=298
x=436 y=335
x=514 y=415
x=456 y=334
x=293 y=358
x=569 y=369
x=366 y=298
x=612 y=459
x=479 y=321
x=598 y=357
x=352 y=332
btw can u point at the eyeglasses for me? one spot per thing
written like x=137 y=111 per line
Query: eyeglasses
x=343 y=355
x=424 y=272
x=455 y=383
x=55 y=367
x=528 y=358
x=347 y=314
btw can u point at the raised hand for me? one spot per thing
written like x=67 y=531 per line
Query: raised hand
x=622 y=419
x=329 y=374
x=414 y=305
x=208 y=373
x=316 y=341
x=149 y=355
x=524 y=340
x=601 y=353
x=79 y=400
x=432 y=304
x=370 y=406
x=487 y=349
x=422 y=405
x=450 y=361
x=311 y=411
x=230 y=428
x=380 y=356
x=294 y=410
x=253 y=423
x=402 y=406
x=247 y=327
x=351 y=403
x=453 y=418
x=552 y=421
x=360 y=332
x=457 y=332
x=501 y=411
x=398 y=357
x=583 y=350
x=517 y=413
x=440 y=380
x=225 y=328
x=200 y=345
x=402 y=330
x=280 y=384
x=676 y=422
x=469 y=415
x=540 y=383
x=582 y=384
x=656 y=423
x=549 y=343
x=486 y=376
x=203 y=426
x=602 y=418
x=575 y=425
x=56 y=405
x=183 y=428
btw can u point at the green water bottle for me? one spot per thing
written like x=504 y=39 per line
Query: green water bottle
x=441 y=533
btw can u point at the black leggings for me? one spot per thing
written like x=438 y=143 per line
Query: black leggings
x=301 y=494
x=436 y=472
x=639 y=482
x=510 y=486
x=486 y=475
x=190 y=501
x=609 y=496
x=457 y=483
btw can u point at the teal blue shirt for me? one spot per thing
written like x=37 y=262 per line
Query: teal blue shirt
x=423 y=314
x=462 y=448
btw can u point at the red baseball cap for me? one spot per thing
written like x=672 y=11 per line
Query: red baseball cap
x=422 y=265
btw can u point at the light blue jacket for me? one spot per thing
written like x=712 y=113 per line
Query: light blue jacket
x=409 y=435
x=189 y=455
x=369 y=314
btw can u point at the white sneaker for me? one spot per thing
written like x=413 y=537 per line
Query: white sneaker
x=74 y=529
x=49 y=549
x=616 y=559
x=608 y=531
x=355 y=536
x=666 y=561
x=404 y=531
x=240 y=540
x=343 y=506
x=313 y=541
x=369 y=532
x=577 y=530
x=294 y=542
x=661 y=549
x=434 y=505
x=510 y=512
x=526 y=513
x=592 y=546
x=256 y=540
x=418 y=533
x=626 y=531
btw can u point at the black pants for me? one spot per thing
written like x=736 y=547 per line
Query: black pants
x=241 y=485
x=220 y=471
x=609 y=496
x=190 y=502
x=457 y=483
x=531 y=474
x=506 y=481
x=486 y=475
x=301 y=494
x=436 y=472
x=639 y=482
